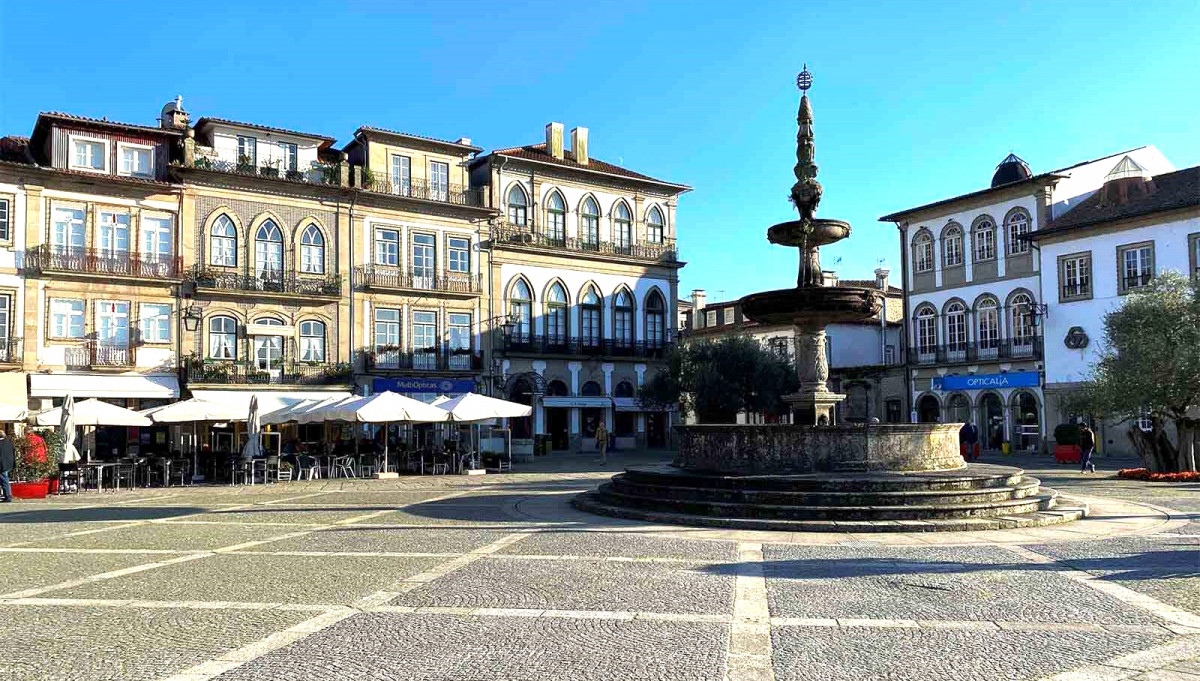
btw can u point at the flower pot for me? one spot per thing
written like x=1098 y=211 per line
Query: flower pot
x=1067 y=453
x=30 y=490
x=52 y=486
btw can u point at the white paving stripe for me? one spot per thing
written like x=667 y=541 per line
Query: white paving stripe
x=1145 y=664
x=749 y=655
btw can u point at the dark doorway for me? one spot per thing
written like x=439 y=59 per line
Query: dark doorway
x=928 y=410
x=558 y=419
x=656 y=429
x=522 y=393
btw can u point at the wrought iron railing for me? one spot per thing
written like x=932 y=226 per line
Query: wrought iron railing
x=384 y=277
x=241 y=372
x=1077 y=289
x=527 y=235
x=1136 y=281
x=267 y=282
x=455 y=194
x=47 y=258
x=316 y=173
x=391 y=359
x=93 y=354
x=1015 y=348
x=12 y=350
x=608 y=347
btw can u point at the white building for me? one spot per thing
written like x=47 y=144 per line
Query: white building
x=12 y=284
x=1111 y=243
x=974 y=296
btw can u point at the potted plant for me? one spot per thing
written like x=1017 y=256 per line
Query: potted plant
x=245 y=164
x=1066 y=443
x=32 y=477
x=269 y=170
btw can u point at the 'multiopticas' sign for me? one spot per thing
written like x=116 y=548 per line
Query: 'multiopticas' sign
x=1017 y=379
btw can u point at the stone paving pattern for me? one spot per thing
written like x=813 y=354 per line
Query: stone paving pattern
x=497 y=577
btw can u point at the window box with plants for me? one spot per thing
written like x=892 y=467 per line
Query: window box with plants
x=1066 y=443
x=245 y=165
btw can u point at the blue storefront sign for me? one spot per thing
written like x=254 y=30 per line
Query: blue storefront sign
x=424 y=385
x=1016 y=379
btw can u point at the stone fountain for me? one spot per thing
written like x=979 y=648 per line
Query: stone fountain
x=814 y=474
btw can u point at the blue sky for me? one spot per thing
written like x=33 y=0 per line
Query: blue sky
x=913 y=101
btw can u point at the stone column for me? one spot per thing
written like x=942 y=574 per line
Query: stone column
x=608 y=412
x=576 y=443
x=641 y=415
x=814 y=403
x=539 y=411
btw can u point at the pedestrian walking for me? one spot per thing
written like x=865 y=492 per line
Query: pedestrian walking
x=602 y=441
x=968 y=441
x=1087 y=444
x=8 y=460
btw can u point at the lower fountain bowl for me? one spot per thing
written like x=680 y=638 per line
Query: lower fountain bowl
x=813 y=305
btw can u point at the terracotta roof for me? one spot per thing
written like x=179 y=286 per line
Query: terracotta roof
x=207 y=120
x=537 y=152
x=102 y=122
x=14 y=149
x=83 y=174
x=867 y=283
x=1179 y=189
x=397 y=133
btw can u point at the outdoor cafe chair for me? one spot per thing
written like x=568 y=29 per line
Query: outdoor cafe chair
x=368 y=466
x=343 y=466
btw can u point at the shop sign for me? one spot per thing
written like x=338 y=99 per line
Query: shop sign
x=424 y=385
x=1015 y=379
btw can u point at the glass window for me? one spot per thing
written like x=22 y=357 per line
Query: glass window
x=589 y=223
x=5 y=227
x=224 y=243
x=459 y=255
x=424 y=335
x=137 y=161
x=5 y=323
x=556 y=314
x=518 y=206
x=155 y=323
x=112 y=323
x=556 y=217
x=222 y=338
x=521 y=309
x=623 y=227
x=988 y=320
x=1137 y=265
x=589 y=312
x=985 y=240
x=655 y=320
x=247 y=150
x=387 y=328
x=1022 y=319
x=312 y=251
x=114 y=233
x=66 y=318
x=268 y=251
x=1076 y=276
x=1018 y=225
x=401 y=175
x=156 y=238
x=268 y=350
x=926 y=331
x=953 y=247
x=68 y=232
x=88 y=154
x=710 y=318
x=423 y=260
x=460 y=340
x=439 y=181
x=387 y=247
x=654 y=226
x=923 y=253
x=956 y=327
x=623 y=319
x=727 y=315
x=289 y=154
x=312 y=341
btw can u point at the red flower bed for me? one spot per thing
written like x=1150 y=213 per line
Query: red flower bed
x=1145 y=474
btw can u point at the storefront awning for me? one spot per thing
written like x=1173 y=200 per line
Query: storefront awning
x=584 y=402
x=83 y=386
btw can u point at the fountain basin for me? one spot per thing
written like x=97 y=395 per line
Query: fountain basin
x=824 y=232
x=813 y=305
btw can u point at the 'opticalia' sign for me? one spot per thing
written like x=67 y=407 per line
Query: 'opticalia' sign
x=424 y=384
x=1016 y=379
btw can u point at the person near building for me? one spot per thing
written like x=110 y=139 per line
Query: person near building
x=968 y=436
x=602 y=441
x=8 y=460
x=1087 y=444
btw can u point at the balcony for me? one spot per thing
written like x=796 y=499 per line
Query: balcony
x=385 y=359
x=239 y=372
x=527 y=236
x=93 y=355
x=393 y=278
x=12 y=350
x=1135 y=281
x=326 y=174
x=454 y=194
x=607 y=347
x=986 y=351
x=285 y=284
x=91 y=261
x=1077 y=289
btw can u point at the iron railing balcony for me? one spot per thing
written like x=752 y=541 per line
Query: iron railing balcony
x=1136 y=281
x=1077 y=289
x=454 y=194
x=982 y=351
x=528 y=235
x=395 y=278
x=517 y=343
x=92 y=355
x=393 y=359
x=317 y=173
x=12 y=350
x=285 y=372
x=47 y=258
x=292 y=283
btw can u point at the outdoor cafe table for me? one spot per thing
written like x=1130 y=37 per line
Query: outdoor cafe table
x=101 y=466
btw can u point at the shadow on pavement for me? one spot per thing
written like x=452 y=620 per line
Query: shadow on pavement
x=112 y=513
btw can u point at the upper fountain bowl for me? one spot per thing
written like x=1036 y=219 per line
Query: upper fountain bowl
x=823 y=232
x=813 y=305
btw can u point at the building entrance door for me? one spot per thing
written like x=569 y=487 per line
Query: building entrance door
x=991 y=422
x=656 y=429
x=268 y=355
x=558 y=425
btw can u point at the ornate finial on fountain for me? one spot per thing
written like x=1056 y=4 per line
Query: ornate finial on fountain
x=806 y=193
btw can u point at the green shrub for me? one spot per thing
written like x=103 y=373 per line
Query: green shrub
x=1066 y=434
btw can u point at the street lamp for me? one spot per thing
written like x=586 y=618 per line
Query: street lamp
x=191 y=317
x=1036 y=311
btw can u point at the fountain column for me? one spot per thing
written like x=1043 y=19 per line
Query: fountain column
x=814 y=404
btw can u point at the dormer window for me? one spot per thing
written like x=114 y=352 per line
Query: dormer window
x=289 y=154
x=137 y=160
x=89 y=154
x=247 y=151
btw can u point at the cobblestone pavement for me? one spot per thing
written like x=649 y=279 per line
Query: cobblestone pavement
x=497 y=577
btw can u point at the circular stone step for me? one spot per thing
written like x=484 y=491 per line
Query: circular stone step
x=972 y=476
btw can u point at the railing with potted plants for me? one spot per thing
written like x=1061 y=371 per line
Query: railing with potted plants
x=392 y=358
x=315 y=173
x=47 y=258
x=528 y=235
x=243 y=372
x=266 y=282
x=385 y=277
x=421 y=189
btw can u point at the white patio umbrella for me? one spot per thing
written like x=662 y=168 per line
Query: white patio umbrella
x=66 y=424
x=253 y=431
x=92 y=412
x=473 y=407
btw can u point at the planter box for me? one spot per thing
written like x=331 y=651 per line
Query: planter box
x=31 y=490
x=1067 y=453
x=52 y=487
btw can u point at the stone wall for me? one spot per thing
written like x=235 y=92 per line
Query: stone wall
x=767 y=449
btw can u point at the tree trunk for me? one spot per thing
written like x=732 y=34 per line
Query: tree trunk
x=1153 y=448
x=1185 y=459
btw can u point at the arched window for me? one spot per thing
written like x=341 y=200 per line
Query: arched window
x=1018 y=225
x=952 y=246
x=622 y=227
x=223 y=243
x=926 y=331
x=222 y=338
x=312 y=251
x=987 y=320
x=268 y=251
x=556 y=218
x=557 y=388
x=985 y=239
x=556 y=315
x=312 y=341
x=656 y=320
x=590 y=318
x=521 y=310
x=1021 y=316
x=958 y=409
x=591 y=389
x=518 y=206
x=268 y=350
x=623 y=320
x=624 y=389
x=923 y=253
x=956 y=327
x=654 y=226
x=589 y=223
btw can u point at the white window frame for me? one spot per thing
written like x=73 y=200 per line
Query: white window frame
x=5 y=220
x=289 y=155
x=1077 y=284
x=439 y=191
x=312 y=256
x=982 y=243
x=7 y=303
x=72 y=139
x=376 y=242
x=923 y=253
x=163 y=312
x=230 y=347
x=953 y=256
x=401 y=174
x=225 y=240
x=116 y=316
x=64 y=330
x=1017 y=246
x=312 y=346
x=68 y=246
x=710 y=318
x=254 y=144
x=116 y=225
x=153 y=238
x=122 y=146
x=453 y=265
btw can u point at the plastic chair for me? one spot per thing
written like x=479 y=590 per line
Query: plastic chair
x=343 y=466
x=368 y=466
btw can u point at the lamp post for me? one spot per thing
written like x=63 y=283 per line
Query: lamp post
x=495 y=377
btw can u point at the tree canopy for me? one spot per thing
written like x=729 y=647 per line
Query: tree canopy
x=716 y=379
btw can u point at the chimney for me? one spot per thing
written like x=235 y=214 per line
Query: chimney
x=173 y=116
x=554 y=140
x=831 y=277
x=465 y=141
x=881 y=278
x=699 y=297
x=579 y=145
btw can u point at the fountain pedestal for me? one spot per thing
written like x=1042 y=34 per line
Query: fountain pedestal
x=814 y=404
